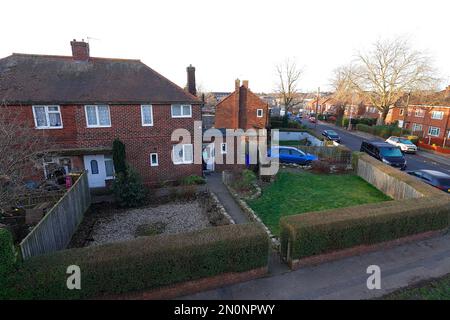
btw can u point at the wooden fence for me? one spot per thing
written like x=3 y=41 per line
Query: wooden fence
x=55 y=230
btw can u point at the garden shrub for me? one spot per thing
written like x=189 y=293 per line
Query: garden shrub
x=321 y=166
x=128 y=189
x=144 y=263
x=244 y=180
x=192 y=180
x=331 y=230
x=7 y=261
x=119 y=157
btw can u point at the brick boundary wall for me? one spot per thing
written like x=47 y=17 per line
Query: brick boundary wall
x=194 y=286
x=362 y=249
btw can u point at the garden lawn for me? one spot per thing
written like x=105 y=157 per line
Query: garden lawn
x=295 y=193
x=438 y=289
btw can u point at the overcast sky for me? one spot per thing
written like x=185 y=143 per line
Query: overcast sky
x=229 y=39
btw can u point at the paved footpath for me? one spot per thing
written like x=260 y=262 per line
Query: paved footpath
x=346 y=278
x=214 y=184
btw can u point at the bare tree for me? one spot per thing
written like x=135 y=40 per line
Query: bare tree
x=344 y=90
x=20 y=147
x=287 y=88
x=390 y=70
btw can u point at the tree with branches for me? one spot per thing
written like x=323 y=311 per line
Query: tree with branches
x=287 y=87
x=390 y=70
x=344 y=91
x=20 y=151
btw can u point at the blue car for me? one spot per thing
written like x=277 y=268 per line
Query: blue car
x=291 y=155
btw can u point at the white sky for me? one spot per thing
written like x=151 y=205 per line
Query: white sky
x=230 y=39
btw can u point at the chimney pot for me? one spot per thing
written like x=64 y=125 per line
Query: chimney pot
x=245 y=83
x=191 y=86
x=237 y=84
x=80 y=50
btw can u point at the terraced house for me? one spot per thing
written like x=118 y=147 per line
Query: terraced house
x=82 y=103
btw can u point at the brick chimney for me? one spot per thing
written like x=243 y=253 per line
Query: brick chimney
x=191 y=80
x=237 y=84
x=80 y=50
x=245 y=83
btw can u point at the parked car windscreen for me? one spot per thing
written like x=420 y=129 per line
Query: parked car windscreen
x=405 y=141
x=332 y=133
x=390 y=152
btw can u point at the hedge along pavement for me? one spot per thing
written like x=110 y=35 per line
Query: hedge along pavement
x=144 y=263
x=332 y=230
x=329 y=231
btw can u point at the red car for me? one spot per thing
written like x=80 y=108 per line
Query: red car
x=312 y=119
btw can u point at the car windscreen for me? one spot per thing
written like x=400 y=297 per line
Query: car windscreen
x=390 y=152
x=405 y=141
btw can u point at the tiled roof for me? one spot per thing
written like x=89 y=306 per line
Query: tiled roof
x=36 y=79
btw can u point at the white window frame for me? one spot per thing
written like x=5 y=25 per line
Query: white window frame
x=258 y=111
x=142 y=115
x=183 y=161
x=422 y=113
x=441 y=113
x=151 y=159
x=434 y=135
x=47 y=117
x=109 y=158
x=98 y=125
x=416 y=125
x=182 y=108
x=222 y=145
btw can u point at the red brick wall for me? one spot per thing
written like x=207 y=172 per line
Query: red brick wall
x=239 y=111
x=126 y=125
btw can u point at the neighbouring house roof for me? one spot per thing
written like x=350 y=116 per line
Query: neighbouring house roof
x=26 y=79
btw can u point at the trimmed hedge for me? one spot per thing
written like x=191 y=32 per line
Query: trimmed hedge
x=144 y=263
x=332 y=230
x=7 y=254
x=382 y=131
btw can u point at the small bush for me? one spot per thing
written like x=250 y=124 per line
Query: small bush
x=321 y=166
x=331 y=230
x=128 y=189
x=243 y=181
x=144 y=263
x=192 y=180
x=119 y=156
x=7 y=261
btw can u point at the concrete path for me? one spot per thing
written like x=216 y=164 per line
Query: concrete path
x=215 y=184
x=346 y=279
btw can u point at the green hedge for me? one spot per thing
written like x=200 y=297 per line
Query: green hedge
x=332 y=230
x=144 y=263
x=7 y=254
x=382 y=131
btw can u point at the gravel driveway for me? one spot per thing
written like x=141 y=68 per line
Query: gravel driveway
x=177 y=217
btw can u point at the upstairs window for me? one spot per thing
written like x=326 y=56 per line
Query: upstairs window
x=98 y=116
x=181 y=111
x=259 y=113
x=47 y=117
x=437 y=115
x=147 y=115
x=420 y=113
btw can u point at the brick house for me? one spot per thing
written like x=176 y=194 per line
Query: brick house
x=241 y=109
x=82 y=103
x=428 y=116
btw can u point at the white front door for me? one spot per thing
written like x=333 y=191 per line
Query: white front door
x=95 y=167
x=208 y=157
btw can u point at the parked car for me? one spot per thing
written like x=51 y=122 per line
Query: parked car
x=404 y=144
x=291 y=155
x=331 y=135
x=435 y=178
x=312 y=119
x=385 y=152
